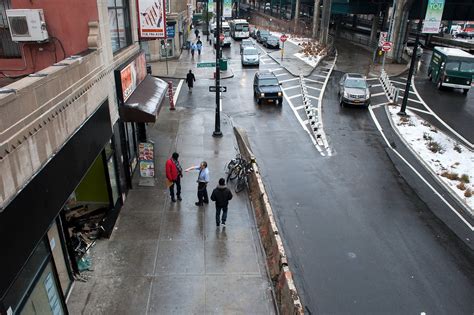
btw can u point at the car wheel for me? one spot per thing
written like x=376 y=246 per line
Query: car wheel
x=259 y=101
x=430 y=75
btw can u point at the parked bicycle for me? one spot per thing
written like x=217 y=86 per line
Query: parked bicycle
x=238 y=168
x=234 y=166
x=242 y=177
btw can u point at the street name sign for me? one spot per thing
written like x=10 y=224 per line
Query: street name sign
x=221 y=88
x=207 y=64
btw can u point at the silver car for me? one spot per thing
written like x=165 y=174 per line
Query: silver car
x=354 y=90
x=250 y=56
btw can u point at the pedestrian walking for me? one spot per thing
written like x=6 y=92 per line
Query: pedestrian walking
x=193 y=49
x=199 y=46
x=190 y=78
x=196 y=32
x=203 y=179
x=174 y=172
x=221 y=195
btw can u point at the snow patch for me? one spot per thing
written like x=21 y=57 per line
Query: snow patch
x=442 y=154
x=310 y=60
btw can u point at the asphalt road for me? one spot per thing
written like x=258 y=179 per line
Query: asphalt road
x=359 y=239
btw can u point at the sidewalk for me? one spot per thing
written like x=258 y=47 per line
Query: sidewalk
x=169 y=258
x=290 y=62
x=178 y=68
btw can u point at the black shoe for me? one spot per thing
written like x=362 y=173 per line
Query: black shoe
x=198 y=204
x=206 y=202
x=217 y=225
x=173 y=199
x=179 y=198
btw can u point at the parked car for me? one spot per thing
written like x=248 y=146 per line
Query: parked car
x=262 y=35
x=250 y=56
x=465 y=35
x=354 y=90
x=246 y=43
x=267 y=87
x=272 y=42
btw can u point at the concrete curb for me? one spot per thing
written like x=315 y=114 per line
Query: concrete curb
x=430 y=171
x=287 y=298
x=297 y=75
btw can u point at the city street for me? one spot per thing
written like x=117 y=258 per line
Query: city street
x=359 y=238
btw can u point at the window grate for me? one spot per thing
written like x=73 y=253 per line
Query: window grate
x=8 y=48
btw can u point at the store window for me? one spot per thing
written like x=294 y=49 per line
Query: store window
x=119 y=23
x=56 y=245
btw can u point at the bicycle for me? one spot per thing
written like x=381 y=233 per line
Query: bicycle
x=242 y=177
x=234 y=166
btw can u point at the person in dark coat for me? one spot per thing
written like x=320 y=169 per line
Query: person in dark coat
x=221 y=195
x=190 y=80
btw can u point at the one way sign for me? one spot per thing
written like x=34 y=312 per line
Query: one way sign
x=221 y=88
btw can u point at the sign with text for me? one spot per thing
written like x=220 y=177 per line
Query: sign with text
x=382 y=38
x=210 y=6
x=434 y=13
x=214 y=88
x=387 y=46
x=227 y=12
x=170 y=31
x=146 y=155
x=132 y=75
x=208 y=64
x=151 y=18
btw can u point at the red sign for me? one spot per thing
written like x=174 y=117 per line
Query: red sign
x=132 y=75
x=386 y=46
x=221 y=37
x=151 y=19
x=283 y=38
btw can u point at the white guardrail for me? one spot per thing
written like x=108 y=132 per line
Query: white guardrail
x=311 y=111
x=391 y=91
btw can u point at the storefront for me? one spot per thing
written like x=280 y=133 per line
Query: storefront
x=79 y=187
x=139 y=97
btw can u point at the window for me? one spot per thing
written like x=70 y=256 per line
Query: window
x=8 y=48
x=119 y=23
x=467 y=66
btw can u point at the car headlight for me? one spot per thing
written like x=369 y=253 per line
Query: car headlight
x=262 y=94
x=279 y=93
x=346 y=95
x=447 y=80
x=468 y=83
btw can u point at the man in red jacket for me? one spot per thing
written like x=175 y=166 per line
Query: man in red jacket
x=174 y=172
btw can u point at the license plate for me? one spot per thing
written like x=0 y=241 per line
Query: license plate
x=270 y=100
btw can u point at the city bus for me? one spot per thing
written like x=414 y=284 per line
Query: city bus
x=239 y=29
x=451 y=67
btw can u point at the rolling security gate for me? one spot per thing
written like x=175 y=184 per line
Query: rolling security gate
x=8 y=48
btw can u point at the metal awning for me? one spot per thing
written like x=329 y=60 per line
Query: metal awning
x=145 y=102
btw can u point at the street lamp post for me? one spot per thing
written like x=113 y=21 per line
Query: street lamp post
x=217 y=128
x=402 y=111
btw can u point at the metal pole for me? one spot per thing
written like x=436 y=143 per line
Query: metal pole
x=207 y=20
x=410 y=72
x=297 y=14
x=217 y=128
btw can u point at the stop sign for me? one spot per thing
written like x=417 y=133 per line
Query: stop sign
x=283 y=38
x=386 y=46
x=221 y=37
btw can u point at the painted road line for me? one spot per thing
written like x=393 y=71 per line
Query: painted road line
x=378 y=105
x=280 y=74
x=299 y=107
x=438 y=118
x=376 y=85
x=372 y=79
x=289 y=80
x=378 y=94
x=294 y=96
x=416 y=172
x=277 y=69
x=319 y=75
x=314 y=81
x=178 y=89
x=313 y=88
x=291 y=87
x=313 y=97
x=313 y=140
x=419 y=110
x=398 y=82
x=410 y=99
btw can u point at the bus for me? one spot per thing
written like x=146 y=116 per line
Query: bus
x=225 y=30
x=451 y=67
x=239 y=29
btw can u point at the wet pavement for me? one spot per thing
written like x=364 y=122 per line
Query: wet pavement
x=170 y=258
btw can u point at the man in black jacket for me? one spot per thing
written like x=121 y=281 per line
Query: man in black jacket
x=221 y=195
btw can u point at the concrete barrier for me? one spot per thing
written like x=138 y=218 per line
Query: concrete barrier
x=288 y=300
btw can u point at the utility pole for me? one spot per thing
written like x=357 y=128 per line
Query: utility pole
x=297 y=14
x=316 y=19
x=402 y=111
x=325 y=21
x=207 y=20
x=217 y=128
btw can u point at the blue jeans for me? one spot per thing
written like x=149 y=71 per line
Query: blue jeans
x=218 y=215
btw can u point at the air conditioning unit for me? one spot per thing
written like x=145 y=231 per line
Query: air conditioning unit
x=27 y=25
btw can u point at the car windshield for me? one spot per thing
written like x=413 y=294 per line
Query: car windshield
x=250 y=51
x=467 y=66
x=264 y=33
x=355 y=83
x=245 y=28
x=453 y=65
x=272 y=38
x=268 y=82
x=247 y=43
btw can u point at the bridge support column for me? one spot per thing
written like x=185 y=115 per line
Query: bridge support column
x=326 y=17
x=375 y=26
x=398 y=30
x=316 y=19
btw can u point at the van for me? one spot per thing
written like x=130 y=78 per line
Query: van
x=451 y=67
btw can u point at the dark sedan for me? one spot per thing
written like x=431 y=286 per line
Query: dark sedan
x=272 y=42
